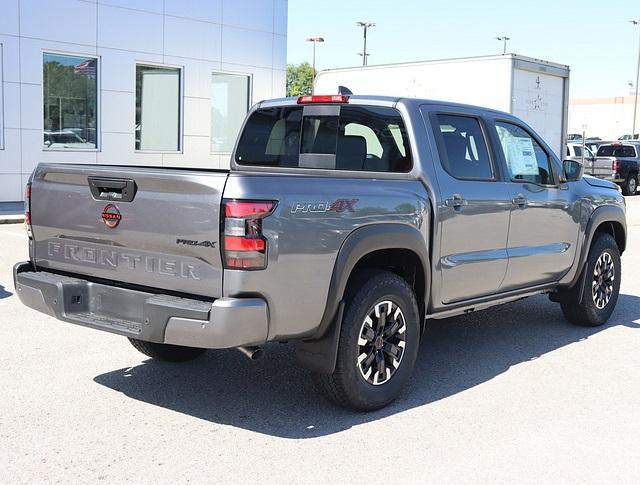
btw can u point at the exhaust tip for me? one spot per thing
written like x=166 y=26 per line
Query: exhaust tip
x=252 y=353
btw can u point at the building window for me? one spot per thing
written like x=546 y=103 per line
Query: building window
x=157 y=108
x=230 y=94
x=1 y=104
x=70 y=102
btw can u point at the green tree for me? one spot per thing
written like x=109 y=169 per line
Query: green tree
x=299 y=79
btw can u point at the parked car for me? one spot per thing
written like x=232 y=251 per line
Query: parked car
x=629 y=137
x=594 y=145
x=574 y=152
x=345 y=224
x=619 y=163
x=65 y=139
x=574 y=137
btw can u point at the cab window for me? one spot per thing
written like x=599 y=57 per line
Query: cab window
x=526 y=160
x=462 y=147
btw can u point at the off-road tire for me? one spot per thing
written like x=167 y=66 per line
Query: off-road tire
x=347 y=386
x=578 y=305
x=167 y=352
x=631 y=185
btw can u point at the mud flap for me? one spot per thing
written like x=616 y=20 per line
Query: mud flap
x=320 y=355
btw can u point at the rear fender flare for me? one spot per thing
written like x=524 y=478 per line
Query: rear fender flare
x=319 y=352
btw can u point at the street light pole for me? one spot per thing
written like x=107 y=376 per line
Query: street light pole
x=635 y=103
x=365 y=26
x=504 y=39
x=315 y=40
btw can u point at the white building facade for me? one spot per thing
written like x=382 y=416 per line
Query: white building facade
x=137 y=82
x=607 y=118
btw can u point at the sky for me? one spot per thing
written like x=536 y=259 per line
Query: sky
x=595 y=38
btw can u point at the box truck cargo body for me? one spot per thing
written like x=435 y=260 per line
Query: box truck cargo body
x=534 y=90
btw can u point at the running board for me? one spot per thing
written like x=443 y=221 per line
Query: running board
x=484 y=303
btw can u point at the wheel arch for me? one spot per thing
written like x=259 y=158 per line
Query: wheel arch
x=609 y=219
x=399 y=248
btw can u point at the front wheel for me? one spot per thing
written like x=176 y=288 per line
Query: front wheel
x=378 y=344
x=592 y=304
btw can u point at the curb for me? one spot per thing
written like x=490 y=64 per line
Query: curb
x=11 y=218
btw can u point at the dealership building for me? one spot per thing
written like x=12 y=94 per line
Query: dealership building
x=607 y=117
x=136 y=82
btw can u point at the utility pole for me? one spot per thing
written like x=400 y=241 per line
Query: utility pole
x=635 y=103
x=504 y=39
x=365 y=26
x=315 y=40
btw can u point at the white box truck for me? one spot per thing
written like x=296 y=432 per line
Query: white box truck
x=534 y=90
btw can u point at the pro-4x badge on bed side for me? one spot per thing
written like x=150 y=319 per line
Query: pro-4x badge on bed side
x=111 y=216
x=338 y=205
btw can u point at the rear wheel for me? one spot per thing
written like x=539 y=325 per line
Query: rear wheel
x=591 y=304
x=378 y=344
x=167 y=352
x=631 y=185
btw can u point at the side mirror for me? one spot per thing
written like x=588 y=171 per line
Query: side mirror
x=573 y=170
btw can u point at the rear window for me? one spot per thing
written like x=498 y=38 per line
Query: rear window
x=358 y=138
x=616 y=151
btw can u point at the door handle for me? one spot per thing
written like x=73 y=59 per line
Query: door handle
x=456 y=202
x=519 y=200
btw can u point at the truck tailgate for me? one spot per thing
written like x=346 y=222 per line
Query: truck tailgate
x=600 y=167
x=166 y=236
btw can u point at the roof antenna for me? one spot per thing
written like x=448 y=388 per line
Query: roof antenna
x=344 y=90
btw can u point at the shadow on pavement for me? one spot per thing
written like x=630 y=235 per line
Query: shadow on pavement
x=4 y=293
x=274 y=397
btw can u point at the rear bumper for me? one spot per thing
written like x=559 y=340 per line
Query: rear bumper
x=223 y=323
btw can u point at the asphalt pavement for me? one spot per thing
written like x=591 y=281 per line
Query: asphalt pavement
x=513 y=394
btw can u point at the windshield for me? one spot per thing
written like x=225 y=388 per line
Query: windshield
x=360 y=138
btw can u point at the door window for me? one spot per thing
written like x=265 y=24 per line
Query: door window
x=462 y=147
x=526 y=159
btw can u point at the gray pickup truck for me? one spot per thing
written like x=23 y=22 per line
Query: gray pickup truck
x=345 y=224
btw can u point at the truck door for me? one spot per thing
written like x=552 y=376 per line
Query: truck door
x=473 y=208
x=545 y=214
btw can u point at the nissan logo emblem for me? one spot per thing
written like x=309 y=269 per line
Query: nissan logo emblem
x=111 y=216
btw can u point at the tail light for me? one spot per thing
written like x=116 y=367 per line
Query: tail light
x=615 y=165
x=244 y=246
x=27 y=210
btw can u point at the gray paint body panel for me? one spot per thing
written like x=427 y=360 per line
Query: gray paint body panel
x=169 y=205
x=487 y=253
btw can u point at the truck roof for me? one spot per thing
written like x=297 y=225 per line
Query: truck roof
x=390 y=101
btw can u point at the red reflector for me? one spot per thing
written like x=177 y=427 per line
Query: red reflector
x=245 y=263
x=27 y=218
x=323 y=98
x=238 y=243
x=247 y=209
x=27 y=192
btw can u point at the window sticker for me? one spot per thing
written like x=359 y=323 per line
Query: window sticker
x=521 y=156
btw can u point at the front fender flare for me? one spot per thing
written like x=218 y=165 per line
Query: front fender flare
x=602 y=214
